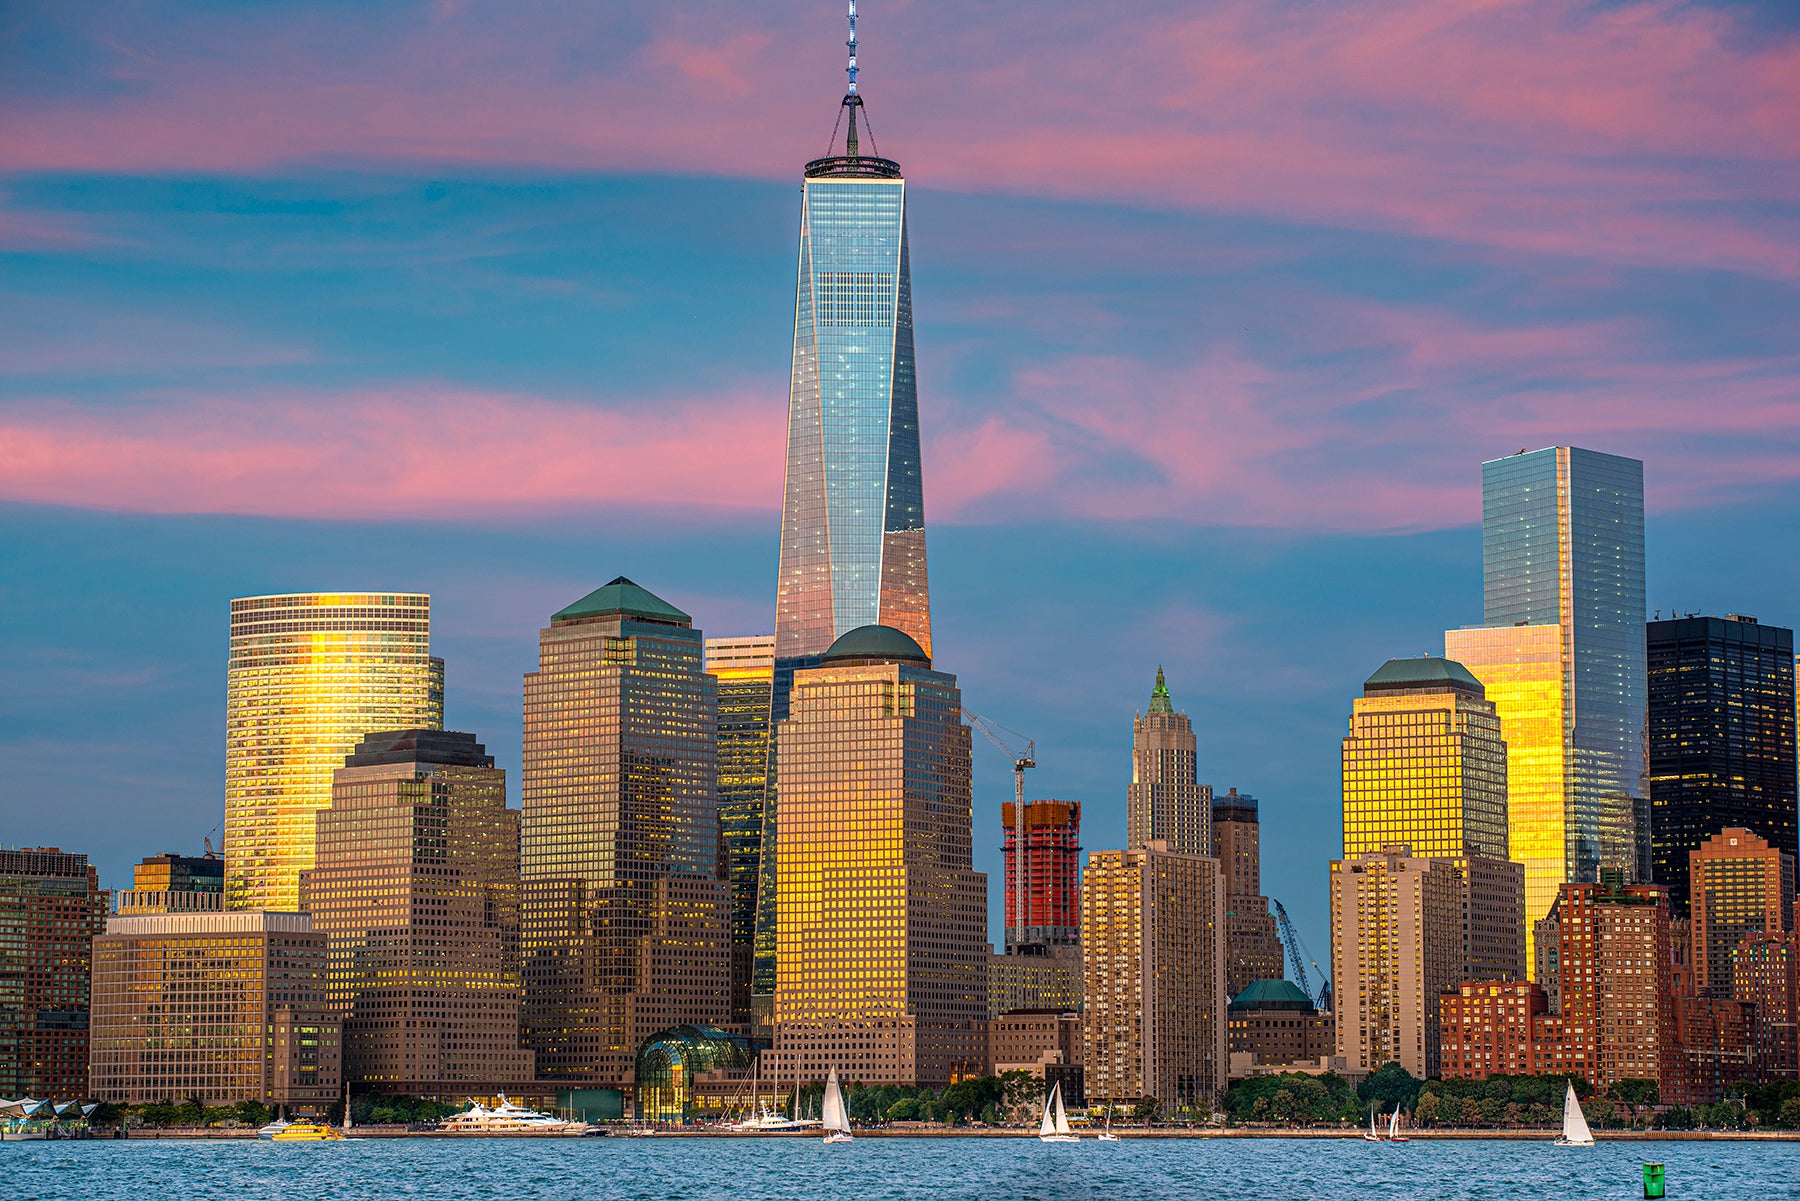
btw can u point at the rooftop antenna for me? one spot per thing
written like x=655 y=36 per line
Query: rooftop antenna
x=851 y=100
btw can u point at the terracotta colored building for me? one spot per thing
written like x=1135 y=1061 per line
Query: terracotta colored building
x=1252 y=945
x=51 y=907
x=1765 y=974
x=1496 y=1028
x=1738 y=885
x=1047 y=875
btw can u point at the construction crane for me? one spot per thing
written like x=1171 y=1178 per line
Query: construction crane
x=1300 y=955
x=1020 y=761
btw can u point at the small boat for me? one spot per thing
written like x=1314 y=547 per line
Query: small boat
x=1575 y=1132
x=508 y=1118
x=307 y=1131
x=1393 y=1134
x=832 y=1114
x=276 y=1127
x=1106 y=1135
x=1055 y=1128
x=1373 y=1136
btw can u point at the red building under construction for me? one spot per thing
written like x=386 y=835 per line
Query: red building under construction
x=1047 y=875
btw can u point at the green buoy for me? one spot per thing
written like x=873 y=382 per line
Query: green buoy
x=1653 y=1181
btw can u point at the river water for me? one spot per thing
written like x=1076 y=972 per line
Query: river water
x=879 y=1169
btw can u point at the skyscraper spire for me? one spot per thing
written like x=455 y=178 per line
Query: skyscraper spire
x=1159 y=696
x=851 y=100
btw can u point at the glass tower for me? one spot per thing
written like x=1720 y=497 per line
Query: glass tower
x=1562 y=656
x=310 y=674
x=745 y=669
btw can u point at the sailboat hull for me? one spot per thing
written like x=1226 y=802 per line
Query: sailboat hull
x=839 y=1136
x=1059 y=1138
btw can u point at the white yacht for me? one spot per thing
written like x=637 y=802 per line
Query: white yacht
x=833 y=1116
x=1055 y=1128
x=1575 y=1132
x=507 y=1118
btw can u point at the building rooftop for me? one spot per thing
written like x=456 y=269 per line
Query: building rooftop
x=624 y=598
x=446 y=748
x=1159 y=695
x=1409 y=675
x=875 y=644
x=1271 y=994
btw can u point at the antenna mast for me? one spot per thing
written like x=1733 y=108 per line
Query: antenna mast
x=851 y=100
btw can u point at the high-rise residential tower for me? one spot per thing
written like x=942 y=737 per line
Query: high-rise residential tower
x=1165 y=801
x=625 y=900
x=853 y=519
x=1720 y=739
x=882 y=971
x=1561 y=651
x=415 y=886
x=1048 y=872
x=745 y=670
x=310 y=673
x=51 y=907
x=1739 y=886
x=1252 y=946
x=1424 y=766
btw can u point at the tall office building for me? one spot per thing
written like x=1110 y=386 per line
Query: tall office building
x=1046 y=876
x=1165 y=801
x=173 y=883
x=51 y=907
x=745 y=670
x=1424 y=766
x=882 y=971
x=224 y=1006
x=1720 y=739
x=310 y=673
x=853 y=518
x=1396 y=940
x=415 y=886
x=1154 y=1021
x=1740 y=886
x=625 y=900
x=1561 y=651
x=1252 y=945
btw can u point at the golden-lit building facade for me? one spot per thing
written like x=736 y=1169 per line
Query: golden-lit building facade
x=1522 y=670
x=1738 y=886
x=1396 y=947
x=1165 y=802
x=1424 y=766
x=745 y=670
x=624 y=896
x=883 y=956
x=1153 y=960
x=415 y=885
x=309 y=674
x=224 y=1006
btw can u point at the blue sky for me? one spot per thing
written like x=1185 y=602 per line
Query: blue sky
x=436 y=297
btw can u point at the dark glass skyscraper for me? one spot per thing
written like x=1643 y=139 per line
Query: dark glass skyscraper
x=1721 y=738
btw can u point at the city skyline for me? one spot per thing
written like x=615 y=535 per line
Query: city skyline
x=1201 y=525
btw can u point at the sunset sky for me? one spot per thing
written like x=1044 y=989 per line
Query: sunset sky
x=1219 y=308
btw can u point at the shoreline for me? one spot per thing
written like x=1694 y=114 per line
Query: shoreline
x=1513 y=1135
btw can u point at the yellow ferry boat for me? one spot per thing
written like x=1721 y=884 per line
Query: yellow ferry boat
x=305 y=1131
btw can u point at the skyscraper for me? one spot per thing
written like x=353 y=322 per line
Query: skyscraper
x=625 y=902
x=1048 y=872
x=415 y=886
x=1154 y=1022
x=853 y=518
x=1165 y=802
x=1424 y=766
x=882 y=971
x=51 y=907
x=1740 y=886
x=1561 y=651
x=1252 y=946
x=310 y=673
x=1720 y=740
x=745 y=670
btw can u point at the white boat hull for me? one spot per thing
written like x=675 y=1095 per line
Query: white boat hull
x=840 y=1136
x=1059 y=1138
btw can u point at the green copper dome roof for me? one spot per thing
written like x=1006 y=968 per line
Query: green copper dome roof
x=1159 y=696
x=1265 y=994
x=882 y=644
x=1399 y=674
x=624 y=598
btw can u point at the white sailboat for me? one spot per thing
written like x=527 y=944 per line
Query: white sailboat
x=1106 y=1135
x=1575 y=1132
x=1394 y=1135
x=1055 y=1127
x=832 y=1114
x=1373 y=1136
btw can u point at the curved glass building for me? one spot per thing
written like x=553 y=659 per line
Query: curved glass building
x=668 y=1062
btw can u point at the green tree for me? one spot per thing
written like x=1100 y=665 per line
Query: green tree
x=1389 y=1086
x=1426 y=1112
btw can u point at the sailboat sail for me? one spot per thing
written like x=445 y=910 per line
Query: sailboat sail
x=1062 y=1119
x=1394 y=1124
x=1575 y=1127
x=831 y=1112
x=1050 y=1104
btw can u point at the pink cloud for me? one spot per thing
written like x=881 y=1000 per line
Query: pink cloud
x=1644 y=132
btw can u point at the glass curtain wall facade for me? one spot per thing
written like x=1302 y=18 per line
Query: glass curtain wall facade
x=1721 y=738
x=745 y=670
x=625 y=902
x=1562 y=539
x=310 y=673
